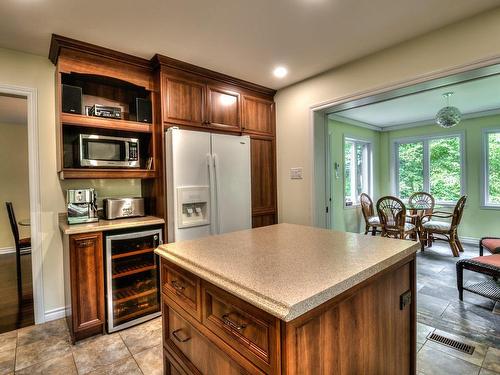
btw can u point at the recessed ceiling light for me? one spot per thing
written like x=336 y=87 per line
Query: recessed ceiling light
x=280 y=72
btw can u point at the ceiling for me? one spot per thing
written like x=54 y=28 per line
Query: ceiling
x=245 y=39
x=13 y=110
x=470 y=97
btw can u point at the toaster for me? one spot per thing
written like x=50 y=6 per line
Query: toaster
x=118 y=208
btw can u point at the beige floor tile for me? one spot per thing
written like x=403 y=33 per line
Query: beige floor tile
x=475 y=358
x=56 y=366
x=150 y=361
x=485 y=371
x=143 y=336
x=492 y=360
x=99 y=351
x=127 y=366
x=7 y=361
x=40 y=351
x=56 y=329
x=435 y=362
x=8 y=340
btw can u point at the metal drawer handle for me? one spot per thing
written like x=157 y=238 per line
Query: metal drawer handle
x=178 y=338
x=178 y=286
x=233 y=324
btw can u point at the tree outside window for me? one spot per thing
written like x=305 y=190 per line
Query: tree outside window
x=492 y=175
x=357 y=170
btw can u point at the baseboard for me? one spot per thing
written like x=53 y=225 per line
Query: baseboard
x=470 y=240
x=55 y=314
x=7 y=250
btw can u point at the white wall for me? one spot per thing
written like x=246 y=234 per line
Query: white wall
x=452 y=46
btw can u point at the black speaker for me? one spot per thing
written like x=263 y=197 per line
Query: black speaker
x=143 y=110
x=71 y=99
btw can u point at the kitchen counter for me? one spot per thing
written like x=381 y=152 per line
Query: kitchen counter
x=287 y=270
x=107 y=225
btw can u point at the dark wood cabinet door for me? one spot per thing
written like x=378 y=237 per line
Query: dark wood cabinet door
x=263 y=220
x=224 y=108
x=257 y=115
x=184 y=102
x=263 y=176
x=87 y=281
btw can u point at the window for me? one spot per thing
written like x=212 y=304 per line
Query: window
x=431 y=164
x=491 y=180
x=357 y=170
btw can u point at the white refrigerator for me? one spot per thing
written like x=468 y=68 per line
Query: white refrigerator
x=208 y=184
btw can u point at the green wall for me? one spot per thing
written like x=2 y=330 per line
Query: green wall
x=349 y=218
x=476 y=222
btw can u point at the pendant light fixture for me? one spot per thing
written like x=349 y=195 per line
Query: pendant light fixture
x=448 y=116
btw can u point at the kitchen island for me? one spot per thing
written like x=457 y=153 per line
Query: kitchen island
x=289 y=299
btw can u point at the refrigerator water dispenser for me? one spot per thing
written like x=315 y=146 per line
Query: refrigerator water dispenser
x=193 y=206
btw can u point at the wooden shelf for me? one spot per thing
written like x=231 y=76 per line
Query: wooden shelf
x=69 y=119
x=144 y=312
x=106 y=173
x=133 y=295
x=130 y=253
x=133 y=270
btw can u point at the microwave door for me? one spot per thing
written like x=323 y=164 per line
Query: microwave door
x=102 y=151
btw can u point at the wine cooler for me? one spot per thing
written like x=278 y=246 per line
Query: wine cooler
x=132 y=278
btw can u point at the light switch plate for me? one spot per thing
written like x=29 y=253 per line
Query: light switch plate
x=296 y=173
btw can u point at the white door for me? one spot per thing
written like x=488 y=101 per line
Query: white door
x=232 y=185
x=188 y=156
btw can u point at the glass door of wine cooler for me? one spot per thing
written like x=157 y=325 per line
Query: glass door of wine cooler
x=133 y=292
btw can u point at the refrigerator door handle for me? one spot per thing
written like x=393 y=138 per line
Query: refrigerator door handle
x=211 y=184
x=216 y=192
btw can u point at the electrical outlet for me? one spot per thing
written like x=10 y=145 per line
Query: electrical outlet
x=296 y=173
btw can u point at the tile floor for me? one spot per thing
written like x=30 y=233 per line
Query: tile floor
x=46 y=349
x=475 y=321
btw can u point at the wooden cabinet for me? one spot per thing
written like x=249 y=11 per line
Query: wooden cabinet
x=184 y=102
x=263 y=169
x=86 y=277
x=364 y=330
x=224 y=107
x=258 y=115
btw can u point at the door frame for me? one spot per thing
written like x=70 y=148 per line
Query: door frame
x=318 y=114
x=34 y=192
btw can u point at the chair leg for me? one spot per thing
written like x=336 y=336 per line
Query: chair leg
x=19 y=277
x=460 y=247
x=423 y=240
x=460 y=281
x=453 y=245
x=480 y=248
x=374 y=231
x=367 y=228
x=430 y=240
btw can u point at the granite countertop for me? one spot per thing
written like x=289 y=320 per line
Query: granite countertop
x=287 y=269
x=105 y=225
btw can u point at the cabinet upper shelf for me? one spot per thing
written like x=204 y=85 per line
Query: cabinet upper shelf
x=105 y=123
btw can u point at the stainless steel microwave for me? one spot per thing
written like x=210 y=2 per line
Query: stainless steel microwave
x=105 y=151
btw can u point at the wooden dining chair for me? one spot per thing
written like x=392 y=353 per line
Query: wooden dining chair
x=433 y=228
x=420 y=199
x=23 y=247
x=392 y=214
x=372 y=221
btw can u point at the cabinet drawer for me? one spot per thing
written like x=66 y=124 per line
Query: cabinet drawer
x=182 y=287
x=197 y=352
x=170 y=365
x=252 y=332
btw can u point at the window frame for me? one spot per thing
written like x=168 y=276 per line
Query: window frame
x=426 y=163
x=484 y=170
x=369 y=143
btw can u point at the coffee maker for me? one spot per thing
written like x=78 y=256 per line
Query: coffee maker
x=82 y=206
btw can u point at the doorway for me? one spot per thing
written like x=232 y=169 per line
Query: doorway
x=21 y=284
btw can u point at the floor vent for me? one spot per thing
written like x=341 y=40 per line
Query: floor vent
x=457 y=345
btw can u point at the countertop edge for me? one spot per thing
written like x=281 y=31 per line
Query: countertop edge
x=279 y=310
x=67 y=229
